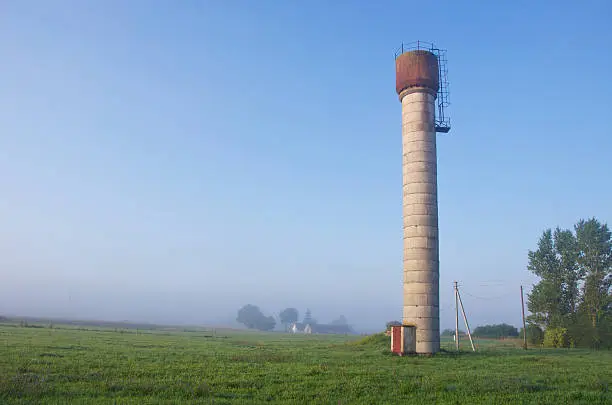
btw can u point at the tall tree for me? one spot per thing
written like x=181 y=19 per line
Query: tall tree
x=288 y=316
x=545 y=299
x=595 y=264
x=249 y=315
x=252 y=317
x=566 y=250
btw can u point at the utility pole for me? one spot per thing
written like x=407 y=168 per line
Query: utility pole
x=466 y=321
x=524 y=325
x=456 y=316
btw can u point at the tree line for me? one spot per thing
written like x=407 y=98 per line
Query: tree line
x=571 y=305
x=497 y=331
x=501 y=330
x=252 y=317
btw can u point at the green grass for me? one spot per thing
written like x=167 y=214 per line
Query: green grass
x=72 y=366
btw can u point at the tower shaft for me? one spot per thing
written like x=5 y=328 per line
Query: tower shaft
x=420 y=214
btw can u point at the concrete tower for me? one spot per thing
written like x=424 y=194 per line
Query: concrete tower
x=417 y=83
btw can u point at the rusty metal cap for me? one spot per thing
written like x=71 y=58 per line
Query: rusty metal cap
x=417 y=68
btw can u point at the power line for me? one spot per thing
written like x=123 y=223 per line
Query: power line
x=487 y=298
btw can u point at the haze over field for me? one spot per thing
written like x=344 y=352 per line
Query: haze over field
x=171 y=162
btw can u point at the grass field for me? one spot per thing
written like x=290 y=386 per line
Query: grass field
x=71 y=366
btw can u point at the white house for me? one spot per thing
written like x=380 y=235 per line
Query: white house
x=301 y=328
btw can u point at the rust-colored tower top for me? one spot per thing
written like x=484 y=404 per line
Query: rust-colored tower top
x=417 y=68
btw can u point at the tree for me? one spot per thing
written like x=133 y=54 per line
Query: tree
x=556 y=337
x=567 y=251
x=595 y=265
x=546 y=301
x=252 y=317
x=572 y=301
x=288 y=316
x=535 y=334
x=447 y=332
x=266 y=323
x=249 y=315
x=451 y=332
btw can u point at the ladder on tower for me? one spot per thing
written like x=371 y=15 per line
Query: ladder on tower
x=442 y=119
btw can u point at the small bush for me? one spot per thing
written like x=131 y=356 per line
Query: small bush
x=556 y=337
x=377 y=340
x=535 y=335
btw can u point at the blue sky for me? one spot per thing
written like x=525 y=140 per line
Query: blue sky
x=172 y=161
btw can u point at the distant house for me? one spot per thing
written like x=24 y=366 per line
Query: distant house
x=321 y=328
x=297 y=327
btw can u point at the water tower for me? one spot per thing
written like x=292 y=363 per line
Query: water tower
x=423 y=91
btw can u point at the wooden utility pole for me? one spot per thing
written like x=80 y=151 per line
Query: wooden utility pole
x=456 y=317
x=466 y=321
x=524 y=325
